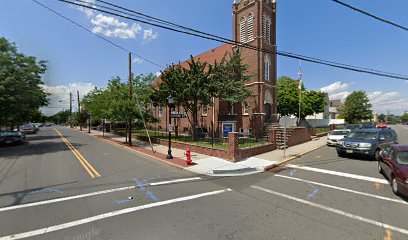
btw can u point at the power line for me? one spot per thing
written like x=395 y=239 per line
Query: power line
x=371 y=15
x=232 y=42
x=105 y=39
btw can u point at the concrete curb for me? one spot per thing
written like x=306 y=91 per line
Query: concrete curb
x=131 y=149
x=232 y=171
x=272 y=166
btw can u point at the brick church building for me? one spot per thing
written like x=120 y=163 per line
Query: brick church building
x=254 y=23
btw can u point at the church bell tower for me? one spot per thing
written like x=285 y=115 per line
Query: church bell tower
x=254 y=24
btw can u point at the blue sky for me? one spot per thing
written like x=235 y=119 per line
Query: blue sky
x=318 y=28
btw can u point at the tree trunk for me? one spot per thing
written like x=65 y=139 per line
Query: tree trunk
x=195 y=120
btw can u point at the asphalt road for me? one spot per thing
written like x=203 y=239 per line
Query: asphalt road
x=73 y=186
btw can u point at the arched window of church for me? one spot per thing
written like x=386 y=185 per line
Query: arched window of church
x=268 y=30
x=251 y=27
x=243 y=31
x=267 y=67
x=264 y=27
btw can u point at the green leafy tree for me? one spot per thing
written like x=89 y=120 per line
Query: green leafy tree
x=21 y=93
x=357 y=107
x=193 y=86
x=113 y=102
x=381 y=118
x=404 y=118
x=288 y=98
x=60 y=117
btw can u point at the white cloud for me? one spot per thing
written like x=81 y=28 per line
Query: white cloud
x=137 y=60
x=336 y=87
x=389 y=101
x=148 y=35
x=382 y=102
x=380 y=97
x=88 y=12
x=106 y=21
x=59 y=96
x=339 y=96
x=112 y=27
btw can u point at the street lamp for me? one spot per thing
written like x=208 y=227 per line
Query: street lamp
x=170 y=102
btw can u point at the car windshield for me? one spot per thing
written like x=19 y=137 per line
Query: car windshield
x=11 y=134
x=363 y=135
x=339 y=133
x=28 y=126
x=402 y=158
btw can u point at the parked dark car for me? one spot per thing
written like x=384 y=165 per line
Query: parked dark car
x=393 y=164
x=12 y=137
x=366 y=142
x=29 y=128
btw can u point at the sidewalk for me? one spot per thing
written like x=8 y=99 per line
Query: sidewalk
x=208 y=165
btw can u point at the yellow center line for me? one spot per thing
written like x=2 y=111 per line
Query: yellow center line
x=85 y=164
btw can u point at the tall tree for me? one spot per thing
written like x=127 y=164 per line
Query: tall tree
x=193 y=86
x=21 y=93
x=357 y=107
x=381 y=117
x=113 y=102
x=404 y=118
x=288 y=98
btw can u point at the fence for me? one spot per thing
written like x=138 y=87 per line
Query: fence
x=185 y=137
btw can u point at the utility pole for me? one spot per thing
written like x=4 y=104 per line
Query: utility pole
x=130 y=97
x=70 y=109
x=79 y=113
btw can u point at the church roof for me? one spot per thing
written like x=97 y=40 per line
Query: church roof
x=210 y=56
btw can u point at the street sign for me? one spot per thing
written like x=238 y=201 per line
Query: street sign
x=178 y=115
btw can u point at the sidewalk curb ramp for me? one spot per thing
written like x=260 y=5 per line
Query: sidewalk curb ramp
x=278 y=164
x=236 y=171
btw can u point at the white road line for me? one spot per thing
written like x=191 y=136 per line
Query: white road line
x=341 y=174
x=333 y=210
x=91 y=194
x=175 y=181
x=344 y=189
x=108 y=215
x=64 y=199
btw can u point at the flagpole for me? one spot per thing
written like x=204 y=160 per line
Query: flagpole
x=300 y=88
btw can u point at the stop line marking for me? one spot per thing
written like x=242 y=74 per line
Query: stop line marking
x=341 y=174
x=344 y=189
x=334 y=210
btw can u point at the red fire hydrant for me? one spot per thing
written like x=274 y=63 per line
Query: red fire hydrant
x=188 y=155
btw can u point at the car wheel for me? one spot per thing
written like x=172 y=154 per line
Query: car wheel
x=394 y=185
x=340 y=154
x=380 y=170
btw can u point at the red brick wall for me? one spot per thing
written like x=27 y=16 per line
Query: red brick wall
x=300 y=135
x=233 y=153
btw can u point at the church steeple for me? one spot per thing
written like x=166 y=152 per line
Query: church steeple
x=254 y=23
